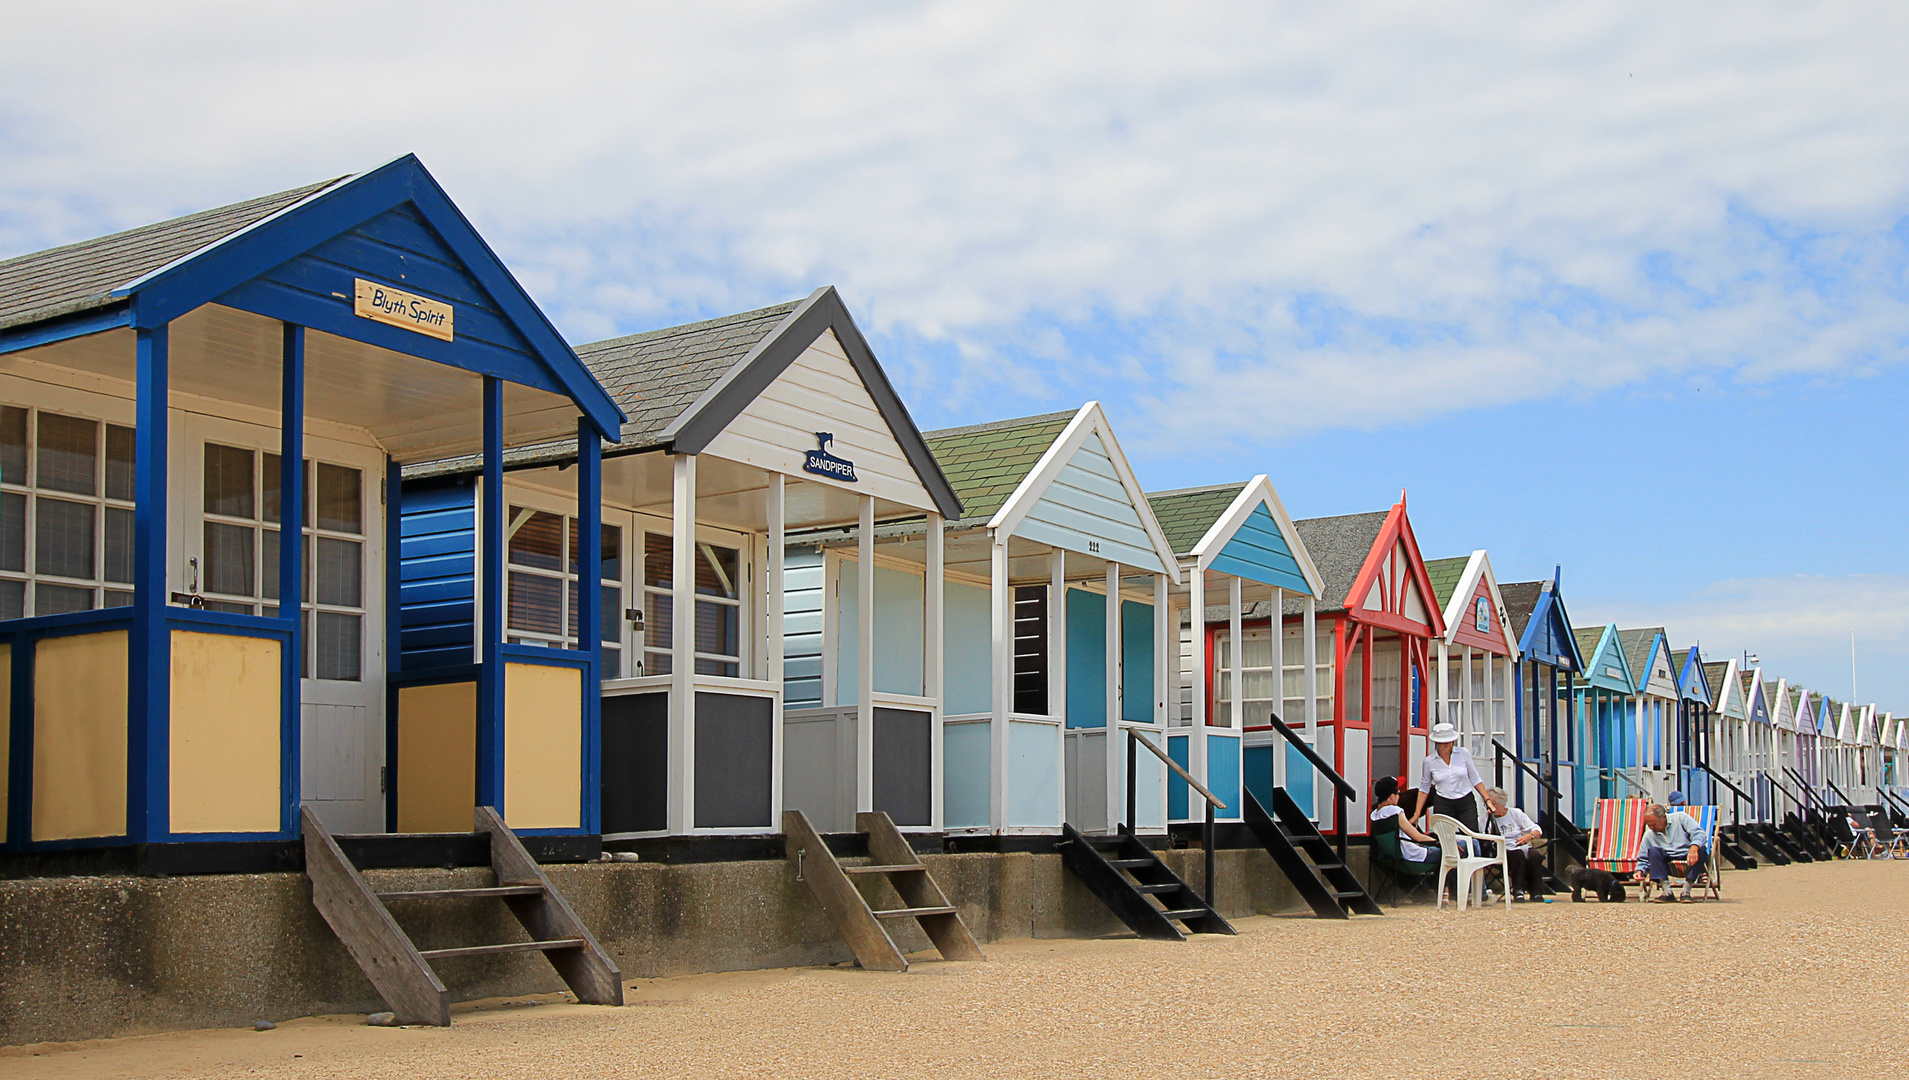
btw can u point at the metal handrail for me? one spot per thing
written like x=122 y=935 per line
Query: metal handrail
x=1737 y=793
x=1815 y=801
x=1212 y=800
x=1342 y=789
x=1501 y=752
x=1553 y=796
x=1620 y=774
x=1847 y=801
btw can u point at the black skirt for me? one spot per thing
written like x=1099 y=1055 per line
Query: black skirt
x=1464 y=809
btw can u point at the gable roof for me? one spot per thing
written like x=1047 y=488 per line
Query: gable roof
x=293 y=257
x=1444 y=574
x=84 y=276
x=1690 y=676
x=1186 y=514
x=1521 y=599
x=1713 y=678
x=1602 y=650
x=1638 y=645
x=683 y=385
x=1339 y=547
x=984 y=463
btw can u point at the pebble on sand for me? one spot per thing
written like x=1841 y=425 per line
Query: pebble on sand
x=264 y=1025
x=382 y=1019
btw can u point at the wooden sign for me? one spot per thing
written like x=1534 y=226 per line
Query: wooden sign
x=388 y=305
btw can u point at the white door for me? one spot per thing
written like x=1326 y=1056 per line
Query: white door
x=226 y=540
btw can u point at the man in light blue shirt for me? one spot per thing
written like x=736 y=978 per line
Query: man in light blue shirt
x=1673 y=837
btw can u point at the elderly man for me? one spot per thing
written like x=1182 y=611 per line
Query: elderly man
x=1521 y=837
x=1671 y=838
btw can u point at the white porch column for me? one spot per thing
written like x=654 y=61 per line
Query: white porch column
x=1276 y=625
x=772 y=582
x=1161 y=638
x=932 y=663
x=680 y=812
x=1444 y=680
x=1464 y=724
x=865 y=658
x=1236 y=666
x=1196 y=738
x=1113 y=772
x=1309 y=648
x=1003 y=611
x=1057 y=635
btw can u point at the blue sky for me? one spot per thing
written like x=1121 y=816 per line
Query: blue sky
x=1618 y=286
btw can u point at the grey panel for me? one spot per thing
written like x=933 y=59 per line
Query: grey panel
x=812 y=775
x=903 y=764
x=1385 y=756
x=734 y=740
x=635 y=776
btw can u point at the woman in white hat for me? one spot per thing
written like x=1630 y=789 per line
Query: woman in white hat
x=1448 y=777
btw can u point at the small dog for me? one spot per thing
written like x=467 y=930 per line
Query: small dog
x=1603 y=884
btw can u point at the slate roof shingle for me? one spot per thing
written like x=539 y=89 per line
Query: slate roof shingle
x=984 y=463
x=1339 y=547
x=1521 y=599
x=1185 y=515
x=655 y=376
x=1445 y=574
x=1588 y=638
x=1713 y=678
x=1637 y=646
x=81 y=277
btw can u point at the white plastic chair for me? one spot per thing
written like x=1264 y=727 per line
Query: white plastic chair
x=1469 y=869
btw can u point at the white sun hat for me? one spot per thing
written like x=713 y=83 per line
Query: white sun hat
x=1444 y=733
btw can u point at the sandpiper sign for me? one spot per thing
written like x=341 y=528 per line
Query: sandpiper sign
x=388 y=305
x=822 y=463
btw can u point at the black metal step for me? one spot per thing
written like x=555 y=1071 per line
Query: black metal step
x=1307 y=859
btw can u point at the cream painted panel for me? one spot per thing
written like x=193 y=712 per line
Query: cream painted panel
x=226 y=747
x=79 y=736
x=821 y=391
x=437 y=757
x=543 y=746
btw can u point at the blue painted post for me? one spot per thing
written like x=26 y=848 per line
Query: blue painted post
x=291 y=561
x=393 y=630
x=149 y=652
x=589 y=611
x=490 y=678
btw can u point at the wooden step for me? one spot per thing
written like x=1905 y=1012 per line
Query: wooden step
x=497 y=891
x=553 y=945
x=890 y=868
x=915 y=912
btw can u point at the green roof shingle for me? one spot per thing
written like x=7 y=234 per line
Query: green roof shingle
x=984 y=463
x=1445 y=574
x=1186 y=515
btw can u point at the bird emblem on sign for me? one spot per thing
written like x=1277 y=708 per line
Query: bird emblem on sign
x=822 y=463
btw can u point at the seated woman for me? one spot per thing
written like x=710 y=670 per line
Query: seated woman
x=1415 y=844
x=1519 y=831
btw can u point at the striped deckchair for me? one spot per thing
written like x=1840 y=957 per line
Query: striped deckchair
x=1710 y=881
x=1617 y=831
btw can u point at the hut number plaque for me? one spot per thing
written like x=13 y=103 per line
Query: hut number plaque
x=408 y=310
x=822 y=463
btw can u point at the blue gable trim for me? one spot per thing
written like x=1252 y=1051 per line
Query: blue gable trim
x=1640 y=679
x=1547 y=637
x=1690 y=683
x=1258 y=552
x=394 y=224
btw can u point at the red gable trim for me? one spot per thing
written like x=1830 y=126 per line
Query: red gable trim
x=1396 y=531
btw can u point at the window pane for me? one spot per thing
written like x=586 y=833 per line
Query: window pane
x=538 y=542
x=716 y=570
x=119 y=544
x=268 y=564
x=228 y=559
x=69 y=454
x=338 y=646
x=228 y=480
x=656 y=560
x=610 y=554
x=338 y=572
x=13 y=447
x=119 y=598
x=657 y=607
x=715 y=628
x=269 y=485
x=608 y=615
x=13 y=598
x=63 y=539
x=655 y=663
x=13 y=532
x=535 y=604
x=610 y=663
x=716 y=667
x=119 y=463
x=60 y=599
x=340 y=508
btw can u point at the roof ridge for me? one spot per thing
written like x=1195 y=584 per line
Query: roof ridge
x=1195 y=490
x=301 y=192
x=1343 y=517
x=999 y=425
x=689 y=328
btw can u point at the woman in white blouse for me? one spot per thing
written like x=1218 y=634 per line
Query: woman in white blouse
x=1449 y=778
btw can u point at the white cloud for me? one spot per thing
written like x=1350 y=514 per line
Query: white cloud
x=1799 y=627
x=1382 y=211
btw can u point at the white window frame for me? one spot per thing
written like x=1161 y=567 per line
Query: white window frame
x=77 y=406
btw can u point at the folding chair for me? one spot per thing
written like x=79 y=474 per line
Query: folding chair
x=1869 y=844
x=1617 y=831
x=1894 y=844
x=1400 y=872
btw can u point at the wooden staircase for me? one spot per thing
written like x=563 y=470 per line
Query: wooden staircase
x=1137 y=887
x=402 y=973
x=1751 y=837
x=1307 y=858
x=1734 y=853
x=863 y=926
